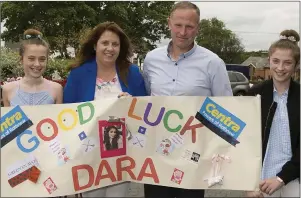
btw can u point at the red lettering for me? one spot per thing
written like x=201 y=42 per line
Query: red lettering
x=55 y=129
x=192 y=128
x=75 y=170
x=104 y=164
x=127 y=169
x=153 y=174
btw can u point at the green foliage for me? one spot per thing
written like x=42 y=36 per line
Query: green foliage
x=11 y=67
x=10 y=64
x=59 y=65
x=63 y=22
x=214 y=36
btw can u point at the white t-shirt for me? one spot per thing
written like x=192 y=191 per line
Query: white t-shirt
x=105 y=89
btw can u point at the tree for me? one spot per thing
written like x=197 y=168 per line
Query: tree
x=64 y=23
x=214 y=36
x=59 y=21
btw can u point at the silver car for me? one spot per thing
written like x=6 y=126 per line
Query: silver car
x=239 y=83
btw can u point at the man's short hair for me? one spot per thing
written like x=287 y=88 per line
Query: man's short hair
x=185 y=5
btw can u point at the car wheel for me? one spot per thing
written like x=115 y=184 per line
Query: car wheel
x=240 y=93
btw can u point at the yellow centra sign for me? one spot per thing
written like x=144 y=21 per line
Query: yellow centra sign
x=10 y=121
x=211 y=108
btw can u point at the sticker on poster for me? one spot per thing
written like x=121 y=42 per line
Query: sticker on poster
x=13 y=123
x=60 y=151
x=32 y=174
x=112 y=138
x=220 y=121
x=191 y=156
x=50 y=185
x=21 y=166
x=177 y=140
x=63 y=155
x=165 y=147
x=177 y=176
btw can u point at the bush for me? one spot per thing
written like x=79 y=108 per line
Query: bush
x=60 y=65
x=11 y=65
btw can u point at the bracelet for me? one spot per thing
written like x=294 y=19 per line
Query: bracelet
x=279 y=179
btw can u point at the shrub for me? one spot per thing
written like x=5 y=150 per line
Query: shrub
x=10 y=64
x=60 y=65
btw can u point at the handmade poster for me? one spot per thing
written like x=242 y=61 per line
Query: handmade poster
x=181 y=142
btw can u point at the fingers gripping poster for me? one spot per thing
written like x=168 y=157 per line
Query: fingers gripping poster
x=182 y=142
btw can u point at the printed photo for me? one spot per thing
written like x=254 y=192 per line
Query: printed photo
x=165 y=147
x=112 y=138
x=63 y=155
x=50 y=185
x=177 y=176
x=195 y=157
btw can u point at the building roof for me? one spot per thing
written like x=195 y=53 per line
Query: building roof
x=257 y=62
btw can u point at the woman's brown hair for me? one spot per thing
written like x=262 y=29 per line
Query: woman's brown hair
x=88 y=52
x=288 y=40
x=32 y=37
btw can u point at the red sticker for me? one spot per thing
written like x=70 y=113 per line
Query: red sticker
x=50 y=185
x=177 y=176
x=32 y=174
x=18 y=179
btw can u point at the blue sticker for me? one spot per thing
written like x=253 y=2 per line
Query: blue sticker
x=142 y=130
x=82 y=135
x=13 y=124
x=220 y=121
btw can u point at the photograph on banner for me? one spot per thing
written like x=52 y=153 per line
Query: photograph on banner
x=112 y=138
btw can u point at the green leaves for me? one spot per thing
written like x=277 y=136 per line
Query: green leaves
x=63 y=22
x=214 y=36
x=10 y=64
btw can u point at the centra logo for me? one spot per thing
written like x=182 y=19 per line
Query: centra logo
x=226 y=120
x=11 y=120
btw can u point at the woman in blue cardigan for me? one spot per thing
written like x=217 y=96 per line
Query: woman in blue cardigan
x=103 y=69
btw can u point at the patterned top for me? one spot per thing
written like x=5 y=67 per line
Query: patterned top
x=26 y=98
x=279 y=149
x=106 y=89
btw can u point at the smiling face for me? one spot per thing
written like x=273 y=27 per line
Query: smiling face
x=183 y=25
x=108 y=47
x=282 y=65
x=34 y=60
x=112 y=133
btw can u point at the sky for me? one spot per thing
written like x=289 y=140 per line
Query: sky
x=257 y=24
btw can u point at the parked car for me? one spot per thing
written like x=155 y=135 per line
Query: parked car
x=239 y=83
